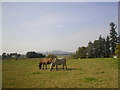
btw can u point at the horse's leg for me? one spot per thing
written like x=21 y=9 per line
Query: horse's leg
x=46 y=66
x=56 y=67
x=43 y=66
x=51 y=67
x=40 y=65
x=63 y=66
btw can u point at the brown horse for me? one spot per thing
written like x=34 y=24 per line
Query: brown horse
x=44 y=62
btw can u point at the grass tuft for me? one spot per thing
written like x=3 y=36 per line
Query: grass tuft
x=36 y=73
x=90 y=79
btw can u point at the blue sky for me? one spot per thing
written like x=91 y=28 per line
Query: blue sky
x=47 y=26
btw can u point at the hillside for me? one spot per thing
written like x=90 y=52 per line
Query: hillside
x=57 y=52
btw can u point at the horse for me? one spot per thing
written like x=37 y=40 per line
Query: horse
x=60 y=61
x=44 y=62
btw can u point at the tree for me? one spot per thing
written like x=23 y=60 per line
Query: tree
x=101 y=46
x=107 y=47
x=74 y=56
x=96 y=49
x=104 y=47
x=113 y=38
x=18 y=55
x=90 y=50
x=4 y=55
x=117 y=50
x=34 y=55
x=119 y=38
x=51 y=56
x=40 y=55
x=8 y=56
x=81 y=52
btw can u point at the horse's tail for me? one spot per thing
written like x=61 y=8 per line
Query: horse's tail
x=40 y=65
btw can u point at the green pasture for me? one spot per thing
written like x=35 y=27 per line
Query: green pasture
x=81 y=73
x=0 y=73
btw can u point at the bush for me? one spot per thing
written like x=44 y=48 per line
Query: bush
x=34 y=55
x=51 y=56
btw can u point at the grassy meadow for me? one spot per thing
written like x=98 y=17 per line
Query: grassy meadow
x=0 y=73
x=82 y=73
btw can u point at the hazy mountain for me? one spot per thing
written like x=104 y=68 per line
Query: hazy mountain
x=57 y=52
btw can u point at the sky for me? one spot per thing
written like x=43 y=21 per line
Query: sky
x=47 y=26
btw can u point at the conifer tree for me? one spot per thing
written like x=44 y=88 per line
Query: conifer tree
x=90 y=50
x=107 y=47
x=113 y=37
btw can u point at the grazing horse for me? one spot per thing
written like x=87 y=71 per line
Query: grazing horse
x=44 y=62
x=58 y=62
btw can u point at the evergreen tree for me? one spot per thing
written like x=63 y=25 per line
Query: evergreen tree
x=107 y=47
x=101 y=47
x=104 y=47
x=113 y=37
x=118 y=38
x=90 y=50
x=96 y=49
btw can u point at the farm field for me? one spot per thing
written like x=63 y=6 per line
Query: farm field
x=82 y=73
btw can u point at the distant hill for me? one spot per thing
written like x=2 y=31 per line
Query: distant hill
x=57 y=52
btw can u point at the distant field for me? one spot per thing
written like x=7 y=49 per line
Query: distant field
x=0 y=73
x=82 y=73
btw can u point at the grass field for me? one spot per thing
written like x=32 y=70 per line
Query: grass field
x=0 y=73
x=82 y=73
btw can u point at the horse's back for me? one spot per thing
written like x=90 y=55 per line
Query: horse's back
x=46 y=60
x=43 y=61
x=60 y=61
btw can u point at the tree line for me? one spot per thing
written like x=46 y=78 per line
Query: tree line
x=11 y=55
x=31 y=54
x=101 y=48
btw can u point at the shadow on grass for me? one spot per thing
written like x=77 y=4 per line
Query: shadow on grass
x=70 y=69
x=36 y=73
x=59 y=69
